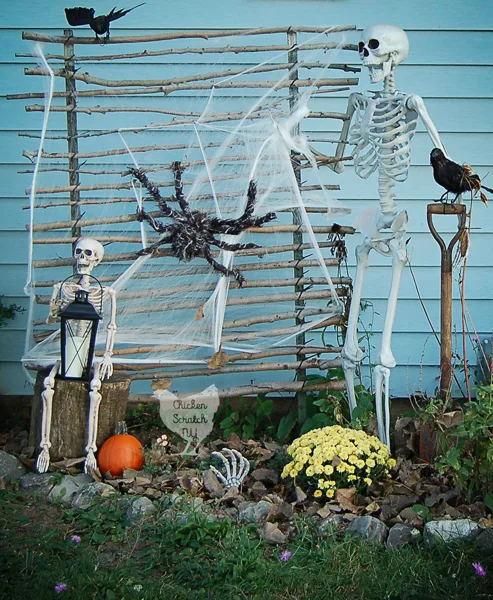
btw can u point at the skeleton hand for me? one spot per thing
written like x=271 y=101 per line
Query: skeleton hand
x=236 y=466
x=105 y=367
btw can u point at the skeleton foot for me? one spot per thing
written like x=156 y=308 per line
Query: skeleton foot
x=382 y=401
x=90 y=464
x=349 y=368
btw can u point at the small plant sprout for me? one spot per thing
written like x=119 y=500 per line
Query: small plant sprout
x=236 y=467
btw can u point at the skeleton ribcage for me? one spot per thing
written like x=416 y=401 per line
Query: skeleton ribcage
x=381 y=133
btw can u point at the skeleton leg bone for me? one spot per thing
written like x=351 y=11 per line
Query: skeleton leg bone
x=94 y=402
x=352 y=354
x=47 y=394
x=385 y=358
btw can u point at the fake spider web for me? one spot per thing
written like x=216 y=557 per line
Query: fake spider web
x=174 y=312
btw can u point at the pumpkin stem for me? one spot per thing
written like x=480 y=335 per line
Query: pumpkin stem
x=122 y=428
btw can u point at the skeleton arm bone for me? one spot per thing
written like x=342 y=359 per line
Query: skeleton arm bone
x=55 y=304
x=338 y=167
x=105 y=368
x=416 y=103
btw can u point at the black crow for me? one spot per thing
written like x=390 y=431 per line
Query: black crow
x=455 y=178
x=100 y=25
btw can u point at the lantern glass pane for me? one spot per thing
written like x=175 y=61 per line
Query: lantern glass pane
x=77 y=347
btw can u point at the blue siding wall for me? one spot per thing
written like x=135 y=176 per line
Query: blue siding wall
x=449 y=65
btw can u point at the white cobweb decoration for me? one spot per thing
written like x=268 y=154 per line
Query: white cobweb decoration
x=175 y=312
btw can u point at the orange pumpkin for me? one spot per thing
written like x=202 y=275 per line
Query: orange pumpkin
x=121 y=451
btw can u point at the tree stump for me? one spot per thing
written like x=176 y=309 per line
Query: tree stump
x=70 y=414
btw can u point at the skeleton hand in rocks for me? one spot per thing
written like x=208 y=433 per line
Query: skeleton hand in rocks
x=88 y=254
x=381 y=126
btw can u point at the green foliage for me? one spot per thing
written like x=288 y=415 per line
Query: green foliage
x=330 y=407
x=422 y=511
x=144 y=416
x=249 y=421
x=193 y=559
x=466 y=448
x=7 y=313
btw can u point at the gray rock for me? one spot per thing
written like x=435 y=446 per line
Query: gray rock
x=280 y=512
x=212 y=484
x=271 y=533
x=253 y=512
x=267 y=476
x=402 y=534
x=11 y=468
x=139 y=509
x=41 y=483
x=65 y=491
x=450 y=531
x=329 y=524
x=484 y=541
x=369 y=528
x=85 y=496
x=258 y=490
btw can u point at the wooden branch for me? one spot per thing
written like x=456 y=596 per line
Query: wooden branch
x=179 y=35
x=250 y=390
x=64 y=262
x=253 y=368
x=175 y=83
x=215 y=50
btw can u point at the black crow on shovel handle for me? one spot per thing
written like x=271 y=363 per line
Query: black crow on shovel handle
x=101 y=24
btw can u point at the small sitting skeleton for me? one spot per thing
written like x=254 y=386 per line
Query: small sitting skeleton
x=381 y=126
x=88 y=254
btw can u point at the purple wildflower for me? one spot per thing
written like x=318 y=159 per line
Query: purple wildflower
x=478 y=567
x=285 y=555
x=60 y=587
x=76 y=539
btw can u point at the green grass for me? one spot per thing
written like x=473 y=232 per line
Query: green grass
x=201 y=560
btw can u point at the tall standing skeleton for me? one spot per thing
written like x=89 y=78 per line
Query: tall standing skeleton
x=381 y=126
x=88 y=253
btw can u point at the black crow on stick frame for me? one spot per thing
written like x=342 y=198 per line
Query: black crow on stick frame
x=455 y=178
x=101 y=24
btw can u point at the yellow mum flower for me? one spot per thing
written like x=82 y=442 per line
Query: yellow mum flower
x=370 y=463
x=352 y=477
x=391 y=462
x=368 y=481
x=341 y=467
x=360 y=463
x=329 y=493
x=328 y=469
x=293 y=473
x=318 y=469
x=317 y=493
x=310 y=471
x=352 y=459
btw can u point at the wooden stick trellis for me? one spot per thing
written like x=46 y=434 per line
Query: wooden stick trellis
x=82 y=182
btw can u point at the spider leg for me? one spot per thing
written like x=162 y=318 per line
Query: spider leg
x=180 y=196
x=237 y=226
x=444 y=197
x=217 y=266
x=232 y=247
x=150 y=249
x=154 y=223
x=154 y=192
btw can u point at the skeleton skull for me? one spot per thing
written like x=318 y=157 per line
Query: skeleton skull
x=88 y=253
x=382 y=47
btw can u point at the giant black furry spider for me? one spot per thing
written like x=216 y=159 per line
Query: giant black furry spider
x=192 y=232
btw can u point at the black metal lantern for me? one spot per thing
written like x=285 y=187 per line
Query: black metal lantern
x=79 y=326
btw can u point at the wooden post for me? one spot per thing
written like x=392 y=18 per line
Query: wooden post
x=70 y=412
x=298 y=234
x=72 y=141
x=446 y=288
